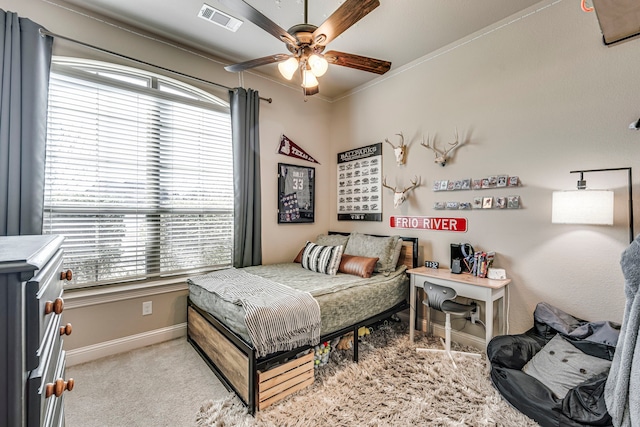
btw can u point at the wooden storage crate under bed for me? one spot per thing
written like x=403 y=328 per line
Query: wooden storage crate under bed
x=260 y=382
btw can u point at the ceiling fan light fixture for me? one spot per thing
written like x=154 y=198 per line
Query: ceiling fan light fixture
x=288 y=68
x=309 y=80
x=318 y=65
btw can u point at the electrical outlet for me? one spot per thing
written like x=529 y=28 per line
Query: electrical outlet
x=147 y=308
x=475 y=312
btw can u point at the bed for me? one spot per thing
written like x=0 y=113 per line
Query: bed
x=347 y=301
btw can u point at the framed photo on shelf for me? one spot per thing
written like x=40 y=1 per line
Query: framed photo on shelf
x=513 y=202
x=296 y=194
x=487 y=203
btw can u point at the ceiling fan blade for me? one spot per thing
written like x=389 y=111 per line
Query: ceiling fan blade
x=358 y=62
x=350 y=12
x=252 y=14
x=241 y=66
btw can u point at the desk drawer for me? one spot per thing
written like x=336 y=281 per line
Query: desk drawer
x=44 y=303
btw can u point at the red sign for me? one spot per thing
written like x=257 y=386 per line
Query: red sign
x=429 y=223
x=289 y=148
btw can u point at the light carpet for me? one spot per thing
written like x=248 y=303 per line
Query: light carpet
x=392 y=385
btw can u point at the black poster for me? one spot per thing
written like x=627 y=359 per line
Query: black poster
x=360 y=184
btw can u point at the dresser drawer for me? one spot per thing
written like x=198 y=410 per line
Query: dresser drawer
x=44 y=377
x=54 y=406
x=44 y=303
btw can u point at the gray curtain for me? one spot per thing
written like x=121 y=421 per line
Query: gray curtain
x=25 y=61
x=247 y=227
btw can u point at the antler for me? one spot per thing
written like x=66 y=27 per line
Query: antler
x=414 y=184
x=384 y=184
x=427 y=145
x=441 y=156
x=452 y=144
x=401 y=141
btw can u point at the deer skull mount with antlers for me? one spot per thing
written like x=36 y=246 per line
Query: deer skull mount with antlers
x=399 y=196
x=441 y=156
x=399 y=150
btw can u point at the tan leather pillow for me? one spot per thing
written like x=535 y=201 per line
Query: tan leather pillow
x=357 y=265
x=298 y=257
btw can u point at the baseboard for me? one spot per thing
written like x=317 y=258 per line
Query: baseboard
x=120 y=345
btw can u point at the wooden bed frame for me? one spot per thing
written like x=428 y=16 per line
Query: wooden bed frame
x=234 y=361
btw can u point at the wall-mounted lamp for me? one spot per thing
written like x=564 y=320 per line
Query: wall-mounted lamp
x=583 y=206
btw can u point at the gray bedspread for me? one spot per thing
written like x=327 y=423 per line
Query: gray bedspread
x=278 y=317
x=344 y=299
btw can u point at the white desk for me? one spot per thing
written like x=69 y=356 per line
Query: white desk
x=466 y=285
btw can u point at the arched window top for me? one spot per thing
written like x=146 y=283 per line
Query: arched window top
x=135 y=78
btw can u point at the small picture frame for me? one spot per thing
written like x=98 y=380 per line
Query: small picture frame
x=466 y=184
x=476 y=184
x=502 y=181
x=439 y=206
x=514 y=181
x=457 y=185
x=487 y=202
x=501 y=202
x=493 y=181
x=513 y=202
x=485 y=183
x=464 y=205
x=452 y=205
x=436 y=185
x=444 y=185
x=451 y=185
x=477 y=203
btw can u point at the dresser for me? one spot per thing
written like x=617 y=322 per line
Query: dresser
x=32 y=360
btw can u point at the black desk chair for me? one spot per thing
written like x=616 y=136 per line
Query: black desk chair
x=440 y=298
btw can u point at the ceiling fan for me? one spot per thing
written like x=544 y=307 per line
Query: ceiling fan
x=307 y=42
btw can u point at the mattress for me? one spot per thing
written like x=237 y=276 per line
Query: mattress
x=344 y=299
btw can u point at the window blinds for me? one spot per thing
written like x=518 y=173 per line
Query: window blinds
x=140 y=182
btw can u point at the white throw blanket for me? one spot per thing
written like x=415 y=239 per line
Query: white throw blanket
x=622 y=391
x=278 y=317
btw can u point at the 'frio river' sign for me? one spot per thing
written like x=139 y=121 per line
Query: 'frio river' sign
x=429 y=223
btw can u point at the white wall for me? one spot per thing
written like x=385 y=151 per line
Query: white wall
x=306 y=123
x=537 y=95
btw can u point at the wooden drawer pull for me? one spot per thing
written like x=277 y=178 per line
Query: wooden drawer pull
x=58 y=387
x=66 y=330
x=66 y=275
x=54 y=307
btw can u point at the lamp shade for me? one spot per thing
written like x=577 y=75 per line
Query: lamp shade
x=309 y=80
x=288 y=67
x=582 y=207
x=318 y=65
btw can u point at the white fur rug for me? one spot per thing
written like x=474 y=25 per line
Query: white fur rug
x=392 y=385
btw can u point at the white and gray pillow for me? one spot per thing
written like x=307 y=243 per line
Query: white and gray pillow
x=321 y=259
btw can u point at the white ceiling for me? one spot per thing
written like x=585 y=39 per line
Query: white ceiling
x=399 y=31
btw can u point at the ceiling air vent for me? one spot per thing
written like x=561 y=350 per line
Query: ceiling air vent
x=219 y=18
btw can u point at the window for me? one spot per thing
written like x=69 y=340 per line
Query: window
x=139 y=174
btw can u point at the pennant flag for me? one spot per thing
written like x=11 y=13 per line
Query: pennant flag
x=289 y=148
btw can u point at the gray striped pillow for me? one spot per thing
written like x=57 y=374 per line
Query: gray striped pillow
x=321 y=259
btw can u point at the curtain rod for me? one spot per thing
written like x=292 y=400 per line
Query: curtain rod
x=44 y=32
